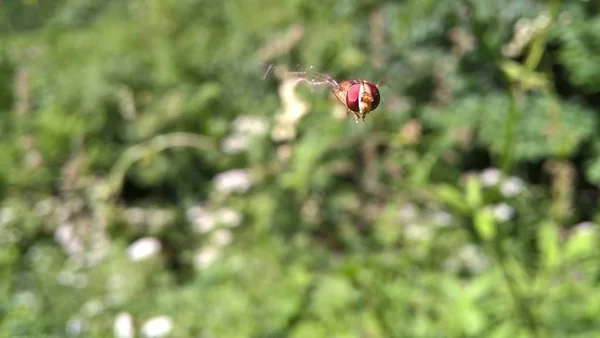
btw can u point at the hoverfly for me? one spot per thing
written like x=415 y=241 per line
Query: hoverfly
x=359 y=96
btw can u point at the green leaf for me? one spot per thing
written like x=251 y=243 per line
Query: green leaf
x=485 y=225
x=516 y=72
x=548 y=239
x=581 y=244
x=452 y=197
x=474 y=194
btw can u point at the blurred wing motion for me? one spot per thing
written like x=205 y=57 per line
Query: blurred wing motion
x=309 y=76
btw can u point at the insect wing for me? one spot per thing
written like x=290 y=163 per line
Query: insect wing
x=308 y=75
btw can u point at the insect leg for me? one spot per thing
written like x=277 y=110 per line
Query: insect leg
x=356 y=116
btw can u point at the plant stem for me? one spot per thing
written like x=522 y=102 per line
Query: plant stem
x=509 y=130
x=521 y=304
x=153 y=146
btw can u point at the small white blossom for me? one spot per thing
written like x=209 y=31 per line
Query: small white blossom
x=63 y=233
x=75 y=326
x=160 y=218
x=490 y=177
x=194 y=212
x=44 y=208
x=503 y=212
x=222 y=237
x=123 y=326
x=468 y=257
x=117 y=291
x=202 y=220
x=408 y=212
x=98 y=247
x=234 y=180
x=65 y=278
x=417 y=232
x=228 y=217
x=310 y=210
x=157 y=327
x=234 y=144
x=143 y=248
x=10 y=235
x=7 y=215
x=284 y=152
x=65 y=236
x=587 y=228
x=442 y=218
x=472 y=258
x=62 y=213
x=92 y=308
x=511 y=187
x=26 y=299
x=524 y=30
x=206 y=257
x=135 y=216
x=250 y=125
x=80 y=281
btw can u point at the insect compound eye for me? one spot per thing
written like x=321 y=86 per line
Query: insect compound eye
x=375 y=93
x=352 y=97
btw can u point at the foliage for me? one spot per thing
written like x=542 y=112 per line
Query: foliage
x=148 y=171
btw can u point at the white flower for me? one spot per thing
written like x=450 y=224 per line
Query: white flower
x=234 y=144
x=234 y=180
x=468 y=257
x=160 y=218
x=587 y=228
x=135 y=216
x=123 y=326
x=65 y=277
x=143 y=248
x=222 y=237
x=524 y=30
x=80 y=281
x=408 y=212
x=65 y=236
x=26 y=299
x=92 y=308
x=417 y=232
x=117 y=291
x=503 y=212
x=45 y=207
x=75 y=326
x=472 y=258
x=228 y=217
x=157 y=327
x=202 y=220
x=206 y=257
x=250 y=125
x=442 y=218
x=63 y=233
x=98 y=247
x=7 y=215
x=511 y=187
x=490 y=177
x=284 y=152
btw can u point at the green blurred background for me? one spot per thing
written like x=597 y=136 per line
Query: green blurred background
x=154 y=185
